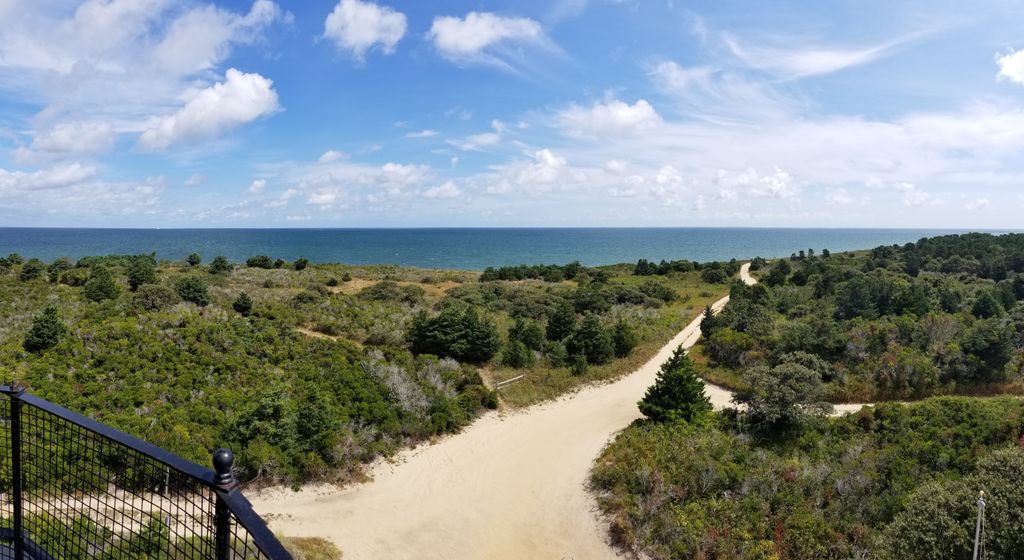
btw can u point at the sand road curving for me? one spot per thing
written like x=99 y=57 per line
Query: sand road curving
x=510 y=486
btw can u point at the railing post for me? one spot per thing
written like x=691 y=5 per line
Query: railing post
x=16 y=472
x=223 y=460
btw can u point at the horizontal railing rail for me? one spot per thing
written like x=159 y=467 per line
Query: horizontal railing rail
x=73 y=487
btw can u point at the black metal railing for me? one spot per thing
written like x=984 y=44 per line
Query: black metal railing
x=71 y=487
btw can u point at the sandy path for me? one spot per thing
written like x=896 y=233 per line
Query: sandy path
x=510 y=486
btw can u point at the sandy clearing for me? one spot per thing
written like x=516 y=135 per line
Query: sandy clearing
x=510 y=486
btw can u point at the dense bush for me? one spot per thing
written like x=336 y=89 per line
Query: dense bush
x=142 y=270
x=895 y=481
x=219 y=265
x=895 y=322
x=32 y=270
x=193 y=290
x=458 y=331
x=101 y=285
x=153 y=297
x=259 y=261
x=592 y=341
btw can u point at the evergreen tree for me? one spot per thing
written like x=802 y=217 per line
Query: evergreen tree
x=57 y=268
x=46 y=331
x=101 y=285
x=141 y=270
x=710 y=323
x=458 y=331
x=194 y=259
x=986 y=306
x=624 y=338
x=677 y=394
x=592 y=340
x=301 y=263
x=243 y=304
x=562 y=322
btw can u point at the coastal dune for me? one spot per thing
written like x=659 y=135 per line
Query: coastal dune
x=510 y=486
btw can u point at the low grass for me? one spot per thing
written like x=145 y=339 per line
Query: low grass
x=311 y=548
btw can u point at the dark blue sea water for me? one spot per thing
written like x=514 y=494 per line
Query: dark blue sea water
x=451 y=248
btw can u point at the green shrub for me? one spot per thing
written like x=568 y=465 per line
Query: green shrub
x=624 y=338
x=101 y=285
x=458 y=331
x=32 y=270
x=301 y=263
x=154 y=297
x=193 y=290
x=142 y=270
x=57 y=268
x=517 y=355
x=193 y=259
x=259 y=261
x=592 y=341
x=219 y=265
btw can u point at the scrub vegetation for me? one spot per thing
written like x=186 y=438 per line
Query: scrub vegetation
x=309 y=371
x=776 y=477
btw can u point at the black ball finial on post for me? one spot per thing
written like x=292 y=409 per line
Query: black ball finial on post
x=223 y=460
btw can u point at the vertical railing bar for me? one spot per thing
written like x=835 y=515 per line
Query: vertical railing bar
x=223 y=460
x=16 y=475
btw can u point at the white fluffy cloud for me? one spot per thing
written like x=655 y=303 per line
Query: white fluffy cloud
x=446 y=190
x=53 y=178
x=422 y=134
x=78 y=137
x=542 y=173
x=104 y=67
x=239 y=99
x=1011 y=66
x=615 y=117
x=68 y=140
x=74 y=190
x=481 y=36
x=358 y=26
x=195 y=180
x=332 y=155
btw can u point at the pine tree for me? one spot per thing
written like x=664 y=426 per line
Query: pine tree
x=562 y=322
x=243 y=304
x=46 y=331
x=678 y=394
x=709 y=324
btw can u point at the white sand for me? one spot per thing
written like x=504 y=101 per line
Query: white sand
x=510 y=486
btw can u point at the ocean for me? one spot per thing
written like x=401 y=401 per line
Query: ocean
x=457 y=248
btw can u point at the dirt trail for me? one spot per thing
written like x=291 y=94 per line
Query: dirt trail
x=510 y=486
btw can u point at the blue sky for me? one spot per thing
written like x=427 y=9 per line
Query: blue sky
x=156 y=113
